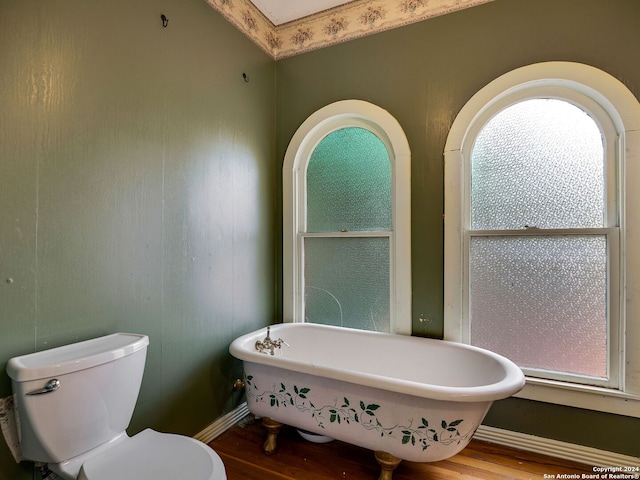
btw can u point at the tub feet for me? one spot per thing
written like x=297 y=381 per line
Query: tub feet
x=273 y=428
x=388 y=464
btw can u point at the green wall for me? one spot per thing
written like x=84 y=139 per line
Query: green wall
x=136 y=193
x=139 y=186
x=423 y=74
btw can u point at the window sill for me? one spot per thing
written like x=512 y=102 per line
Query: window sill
x=581 y=396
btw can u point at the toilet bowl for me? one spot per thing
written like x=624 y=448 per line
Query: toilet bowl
x=150 y=455
x=75 y=403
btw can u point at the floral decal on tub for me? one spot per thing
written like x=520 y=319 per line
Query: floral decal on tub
x=359 y=413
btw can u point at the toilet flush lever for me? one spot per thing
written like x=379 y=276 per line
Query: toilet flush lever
x=51 y=386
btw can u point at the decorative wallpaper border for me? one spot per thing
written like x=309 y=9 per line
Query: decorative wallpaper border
x=347 y=22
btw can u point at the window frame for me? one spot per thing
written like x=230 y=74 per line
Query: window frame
x=610 y=228
x=610 y=103
x=335 y=116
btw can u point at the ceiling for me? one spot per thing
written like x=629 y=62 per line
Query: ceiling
x=284 y=11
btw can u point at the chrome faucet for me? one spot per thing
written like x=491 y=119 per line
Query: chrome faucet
x=268 y=345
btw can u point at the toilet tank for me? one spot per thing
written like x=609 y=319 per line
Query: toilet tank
x=99 y=381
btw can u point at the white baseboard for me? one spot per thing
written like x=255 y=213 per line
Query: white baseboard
x=521 y=441
x=223 y=424
x=554 y=448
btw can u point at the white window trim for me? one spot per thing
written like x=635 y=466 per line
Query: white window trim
x=348 y=113
x=624 y=110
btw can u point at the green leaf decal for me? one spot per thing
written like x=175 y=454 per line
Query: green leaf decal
x=296 y=398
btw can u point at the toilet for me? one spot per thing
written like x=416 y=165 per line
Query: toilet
x=74 y=404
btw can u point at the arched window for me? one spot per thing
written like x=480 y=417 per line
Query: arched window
x=346 y=204
x=536 y=257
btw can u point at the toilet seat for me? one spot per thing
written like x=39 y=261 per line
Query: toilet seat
x=151 y=455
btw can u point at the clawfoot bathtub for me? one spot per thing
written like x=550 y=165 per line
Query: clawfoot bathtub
x=405 y=398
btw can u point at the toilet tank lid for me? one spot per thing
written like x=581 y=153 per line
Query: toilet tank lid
x=74 y=357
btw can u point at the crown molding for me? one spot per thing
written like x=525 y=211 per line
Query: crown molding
x=340 y=24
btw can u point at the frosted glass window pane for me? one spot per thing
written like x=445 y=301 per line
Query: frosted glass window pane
x=541 y=300
x=538 y=163
x=349 y=183
x=347 y=282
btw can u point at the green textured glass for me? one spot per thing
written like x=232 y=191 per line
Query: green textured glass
x=347 y=282
x=349 y=183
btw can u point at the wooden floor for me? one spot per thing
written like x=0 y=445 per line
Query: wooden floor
x=241 y=451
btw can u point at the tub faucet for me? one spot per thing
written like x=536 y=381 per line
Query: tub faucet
x=267 y=345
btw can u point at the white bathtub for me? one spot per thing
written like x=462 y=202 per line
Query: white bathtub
x=416 y=399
